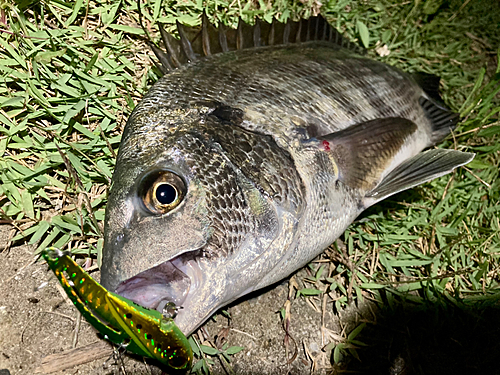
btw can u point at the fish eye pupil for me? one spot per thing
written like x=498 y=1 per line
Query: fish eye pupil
x=166 y=194
x=161 y=191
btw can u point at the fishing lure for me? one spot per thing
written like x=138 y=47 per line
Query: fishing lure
x=141 y=331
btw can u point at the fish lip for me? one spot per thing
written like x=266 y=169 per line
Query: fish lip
x=174 y=280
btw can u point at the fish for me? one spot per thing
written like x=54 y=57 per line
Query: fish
x=253 y=153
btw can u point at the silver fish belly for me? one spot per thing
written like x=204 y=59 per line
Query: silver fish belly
x=238 y=168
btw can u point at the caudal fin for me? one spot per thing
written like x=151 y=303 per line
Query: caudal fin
x=443 y=119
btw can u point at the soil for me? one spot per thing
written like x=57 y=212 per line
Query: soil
x=399 y=339
x=37 y=320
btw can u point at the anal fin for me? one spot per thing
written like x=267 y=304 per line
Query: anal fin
x=421 y=168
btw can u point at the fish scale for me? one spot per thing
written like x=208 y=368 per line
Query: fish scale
x=275 y=138
x=281 y=182
x=225 y=224
x=274 y=84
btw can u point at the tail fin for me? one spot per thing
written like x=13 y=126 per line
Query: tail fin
x=443 y=119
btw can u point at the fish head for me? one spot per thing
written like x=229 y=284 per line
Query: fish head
x=180 y=223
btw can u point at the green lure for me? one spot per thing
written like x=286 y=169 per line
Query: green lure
x=142 y=331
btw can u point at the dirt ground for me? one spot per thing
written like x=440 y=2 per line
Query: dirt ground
x=36 y=320
x=437 y=338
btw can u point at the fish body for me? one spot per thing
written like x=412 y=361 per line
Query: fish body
x=238 y=168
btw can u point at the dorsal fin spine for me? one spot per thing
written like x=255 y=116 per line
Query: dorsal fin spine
x=286 y=33
x=169 y=41
x=209 y=40
x=316 y=29
x=308 y=30
x=270 y=39
x=223 y=38
x=299 y=32
x=325 y=29
x=239 y=35
x=204 y=34
x=187 y=48
x=163 y=58
x=256 y=34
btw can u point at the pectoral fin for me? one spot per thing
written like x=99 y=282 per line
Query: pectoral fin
x=417 y=170
x=363 y=152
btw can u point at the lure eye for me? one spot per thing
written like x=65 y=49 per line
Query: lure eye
x=162 y=191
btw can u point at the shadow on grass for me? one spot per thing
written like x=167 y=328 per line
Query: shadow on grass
x=438 y=337
x=430 y=338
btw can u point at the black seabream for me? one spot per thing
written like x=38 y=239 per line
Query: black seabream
x=252 y=154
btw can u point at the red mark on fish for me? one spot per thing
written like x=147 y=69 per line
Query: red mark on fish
x=326 y=145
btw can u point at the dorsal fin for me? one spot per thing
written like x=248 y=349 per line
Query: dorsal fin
x=207 y=40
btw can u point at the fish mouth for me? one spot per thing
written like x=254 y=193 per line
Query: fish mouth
x=175 y=280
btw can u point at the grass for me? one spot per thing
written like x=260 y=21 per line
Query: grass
x=72 y=72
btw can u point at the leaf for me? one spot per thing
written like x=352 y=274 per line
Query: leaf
x=337 y=355
x=356 y=331
x=410 y=263
x=13 y=53
x=283 y=313
x=197 y=366
x=209 y=361
x=320 y=272
x=371 y=286
x=41 y=229
x=477 y=85
x=48 y=240
x=156 y=9
x=209 y=350
x=363 y=33
x=66 y=223
x=358 y=343
x=37 y=93
x=63 y=240
x=234 y=349
x=432 y=6
x=92 y=62
x=27 y=201
x=330 y=346
x=74 y=14
x=309 y=292
x=17 y=101
x=25 y=233
x=128 y=29
x=386 y=35
x=205 y=367
x=194 y=345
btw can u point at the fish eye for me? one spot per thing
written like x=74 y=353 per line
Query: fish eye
x=162 y=191
x=165 y=193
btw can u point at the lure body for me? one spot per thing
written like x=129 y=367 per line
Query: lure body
x=141 y=331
